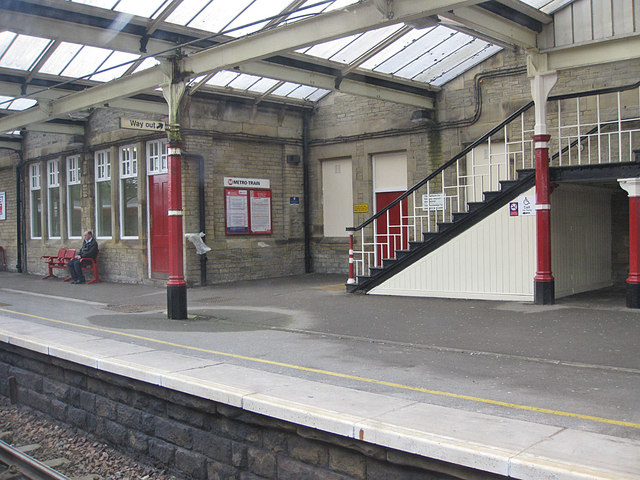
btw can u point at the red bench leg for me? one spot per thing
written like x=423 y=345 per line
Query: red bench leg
x=50 y=274
x=96 y=276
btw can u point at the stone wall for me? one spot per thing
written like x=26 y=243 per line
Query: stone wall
x=233 y=140
x=199 y=438
x=8 y=227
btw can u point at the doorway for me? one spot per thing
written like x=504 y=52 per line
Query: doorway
x=159 y=226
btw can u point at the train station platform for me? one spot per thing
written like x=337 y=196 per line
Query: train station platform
x=515 y=389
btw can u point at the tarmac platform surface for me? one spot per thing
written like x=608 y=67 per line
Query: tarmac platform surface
x=513 y=388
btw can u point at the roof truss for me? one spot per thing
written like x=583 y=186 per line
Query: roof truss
x=267 y=53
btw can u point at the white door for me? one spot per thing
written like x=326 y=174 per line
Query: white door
x=337 y=197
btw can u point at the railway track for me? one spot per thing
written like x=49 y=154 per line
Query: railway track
x=16 y=465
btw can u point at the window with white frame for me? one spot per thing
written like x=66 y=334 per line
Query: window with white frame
x=157 y=157
x=35 y=199
x=53 y=198
x=129 y=191
x=74 y=191
x=103 y=193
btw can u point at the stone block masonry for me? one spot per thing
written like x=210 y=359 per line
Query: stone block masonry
x=198 y=438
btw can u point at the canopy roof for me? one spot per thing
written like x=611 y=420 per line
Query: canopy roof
x=51 y=48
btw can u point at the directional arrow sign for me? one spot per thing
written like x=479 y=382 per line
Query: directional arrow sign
x=137 y=124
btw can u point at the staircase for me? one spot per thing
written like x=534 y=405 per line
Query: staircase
x=590 y=129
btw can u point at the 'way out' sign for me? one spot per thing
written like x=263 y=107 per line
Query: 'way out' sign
x=136 y=124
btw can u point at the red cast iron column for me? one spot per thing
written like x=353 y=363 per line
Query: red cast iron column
x=176 y=286
x=632 y=187
x=544 y=293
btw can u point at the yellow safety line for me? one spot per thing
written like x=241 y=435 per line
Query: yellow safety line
x=514 y=406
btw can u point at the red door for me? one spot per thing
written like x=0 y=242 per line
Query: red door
x=391 y=231
x=159 y=225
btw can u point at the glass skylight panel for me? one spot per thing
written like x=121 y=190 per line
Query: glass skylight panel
x=136 y=7
x=340 y=4
x=222 y=78
x=187 y=10
x=439 y=78
x=11 y=103
x=263 y=85
x=285 y=89
x=5 y=102
x=59 y=60
x=5 y=40
x=323 y=8
x=23 y=52
x=327 y=49
x=147 y=63
x=427 y=43
x=22 y=104
x=449 y=60
x=115 y=59
x=258 y=10
x=108 y=4
x=363 y=43
x=302 y=92
x=243 y=81
x=441 y=51
x=87 y=61
x=218 y=14
x=397 y=46
x=318 y=95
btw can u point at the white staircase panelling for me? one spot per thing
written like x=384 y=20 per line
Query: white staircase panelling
x=493 y=260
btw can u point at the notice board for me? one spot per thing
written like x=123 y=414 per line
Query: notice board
x=247 y=211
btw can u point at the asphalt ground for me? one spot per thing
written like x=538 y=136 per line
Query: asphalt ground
x=575 y=364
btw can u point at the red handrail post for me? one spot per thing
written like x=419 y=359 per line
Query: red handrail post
x=352 y=278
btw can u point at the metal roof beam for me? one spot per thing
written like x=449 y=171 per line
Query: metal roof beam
x=56 y=128
x=328 y=82
x=323 y=28
x=593 y=53
x=492 y=26
x=253 y=47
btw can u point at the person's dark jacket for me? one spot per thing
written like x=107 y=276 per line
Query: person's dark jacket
x=89 y=249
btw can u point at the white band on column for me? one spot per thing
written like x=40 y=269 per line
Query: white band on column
x=173 y=151
x=175 y=213
x=631 y=186
x=543 y=206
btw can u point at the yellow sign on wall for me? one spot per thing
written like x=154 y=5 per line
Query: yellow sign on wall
x=361 y=208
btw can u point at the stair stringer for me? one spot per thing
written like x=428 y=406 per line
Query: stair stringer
x=494 y=259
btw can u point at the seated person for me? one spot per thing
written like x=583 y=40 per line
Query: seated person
x=89 y=250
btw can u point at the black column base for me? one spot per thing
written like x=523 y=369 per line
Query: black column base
x=544 y=293
x=177 y=302
x=633 y=295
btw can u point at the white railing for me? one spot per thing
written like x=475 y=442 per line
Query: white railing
x=586 y=129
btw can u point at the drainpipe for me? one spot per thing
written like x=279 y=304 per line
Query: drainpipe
x=19 y=215
x=307 y=197
x=201 y=209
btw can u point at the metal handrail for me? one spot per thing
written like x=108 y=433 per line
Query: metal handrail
x=481 y=140
x=467 y=180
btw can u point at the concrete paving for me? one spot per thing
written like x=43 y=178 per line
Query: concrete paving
x=517 y=389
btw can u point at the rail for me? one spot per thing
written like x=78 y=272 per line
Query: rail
x=26 y=465
x=593 y=127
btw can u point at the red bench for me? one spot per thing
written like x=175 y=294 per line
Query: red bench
x=58 y=261
x=62 y=259
x=88 y=264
